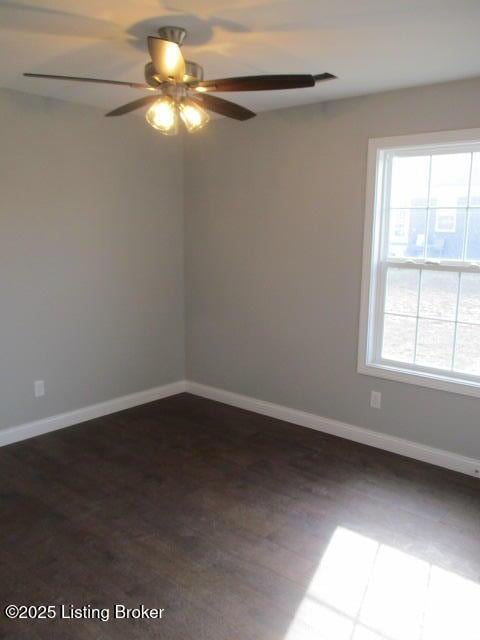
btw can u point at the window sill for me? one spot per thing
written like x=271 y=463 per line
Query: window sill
x=422 y=379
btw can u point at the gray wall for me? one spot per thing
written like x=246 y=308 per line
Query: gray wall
x=274 y=224
x=91 y=257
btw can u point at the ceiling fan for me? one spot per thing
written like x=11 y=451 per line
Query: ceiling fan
x=185 y=94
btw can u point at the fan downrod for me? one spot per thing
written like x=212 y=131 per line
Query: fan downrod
x=173 y=34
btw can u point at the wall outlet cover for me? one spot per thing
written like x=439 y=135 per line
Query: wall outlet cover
x=39 y=388
x=375 y=399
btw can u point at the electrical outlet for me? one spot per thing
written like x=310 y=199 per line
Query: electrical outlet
x=375 y=399
x=39 y=388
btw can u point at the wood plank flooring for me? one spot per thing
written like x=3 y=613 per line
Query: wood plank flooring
x=239 y=526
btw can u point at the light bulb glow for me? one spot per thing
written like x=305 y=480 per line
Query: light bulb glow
x=173 y=62
x=193 y=116
x=163 y=116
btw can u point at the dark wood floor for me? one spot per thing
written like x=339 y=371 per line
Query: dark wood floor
x=240 y=526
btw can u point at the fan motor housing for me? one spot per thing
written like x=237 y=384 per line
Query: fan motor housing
x=193 y=74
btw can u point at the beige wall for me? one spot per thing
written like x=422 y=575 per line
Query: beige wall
x=274 y=223
x=91 y=257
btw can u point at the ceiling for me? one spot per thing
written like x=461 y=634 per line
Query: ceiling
x=371 y=45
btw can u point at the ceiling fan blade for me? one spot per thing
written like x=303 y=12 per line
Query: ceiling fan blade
x=133 y=85
x=257 y=83
x=223 y=107
x=131 y=106
x=167 y=59
x=320 y=77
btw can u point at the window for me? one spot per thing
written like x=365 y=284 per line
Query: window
x=420 y=317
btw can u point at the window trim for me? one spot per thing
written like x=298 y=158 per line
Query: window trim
x=378 y=149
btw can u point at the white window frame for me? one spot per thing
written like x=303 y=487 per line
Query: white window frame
x=379 y=152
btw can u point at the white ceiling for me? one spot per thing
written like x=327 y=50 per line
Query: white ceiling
x=371 y=45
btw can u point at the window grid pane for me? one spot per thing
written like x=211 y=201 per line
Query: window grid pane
x=407 y=233
x=439 y=295
x=446 y=232
x=435 y=344
x=467 y=352
x=450 y=176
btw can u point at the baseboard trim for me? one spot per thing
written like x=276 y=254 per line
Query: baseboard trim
x=408 y=448
x=62 y=420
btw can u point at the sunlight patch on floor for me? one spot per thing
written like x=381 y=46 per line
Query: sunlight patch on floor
x=364 y=590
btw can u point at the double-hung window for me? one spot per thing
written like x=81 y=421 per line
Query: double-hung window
x=420 y=316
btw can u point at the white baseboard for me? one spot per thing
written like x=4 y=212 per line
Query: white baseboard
x=62 y=420
x=407 y=448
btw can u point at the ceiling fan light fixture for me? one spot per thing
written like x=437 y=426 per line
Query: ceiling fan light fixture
x=163 y=116
x=184 y=89
x=193 y=116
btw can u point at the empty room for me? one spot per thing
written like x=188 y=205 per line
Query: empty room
x=239 y=320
